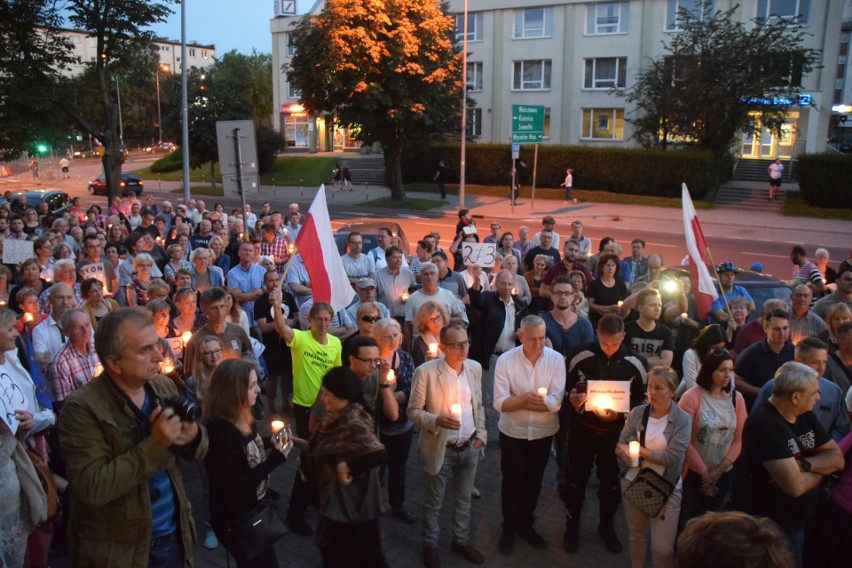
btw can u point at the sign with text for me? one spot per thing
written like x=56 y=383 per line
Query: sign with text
x=176 y=345
x=479 y=254
x=11 y=399
x=608 y=395
x=527 y=123
x=16 y=252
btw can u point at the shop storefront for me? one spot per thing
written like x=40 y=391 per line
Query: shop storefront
x=297 y=125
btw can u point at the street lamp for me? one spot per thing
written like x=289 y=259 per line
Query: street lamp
x=464 y=112
x=164 y=67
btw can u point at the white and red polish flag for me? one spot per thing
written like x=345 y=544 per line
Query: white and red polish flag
x=315 y=243
x=703 y=287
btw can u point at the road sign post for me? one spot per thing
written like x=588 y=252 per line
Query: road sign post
x=527 y=124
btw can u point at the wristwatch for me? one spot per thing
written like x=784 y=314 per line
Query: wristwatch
x=806 y=465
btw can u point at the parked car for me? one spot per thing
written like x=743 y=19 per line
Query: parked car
x=129 y=183
x=760 y=286
x=57 y=201
x=369 y=231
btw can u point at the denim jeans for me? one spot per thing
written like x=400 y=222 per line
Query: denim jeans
x=167 y=552
x=461 y=465
x=397 y=447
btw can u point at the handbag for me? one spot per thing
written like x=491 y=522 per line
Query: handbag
x=255 y=532
x=650 y=491
x=45 y=476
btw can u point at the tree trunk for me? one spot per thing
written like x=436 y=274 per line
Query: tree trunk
x=109 y=137
x=393 y=170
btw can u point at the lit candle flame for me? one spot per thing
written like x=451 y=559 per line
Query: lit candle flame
x=542 y=392
x=292 y=248
x=405 y=295
x=391 y=376
x=28 y=317
x=456 y=409
x=241 y=236
x=2 y=303
x=433 y=348
x=168 y=366
x=514 y=291
x=99 y=368
x=277 y=425
x=185 y=337
x=684 y=316
x=620 y=303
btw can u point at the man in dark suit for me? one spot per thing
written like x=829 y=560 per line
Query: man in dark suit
x=494 y=332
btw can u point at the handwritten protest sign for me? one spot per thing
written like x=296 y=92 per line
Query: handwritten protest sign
x=479 y=254
x=11 y=399
x=16 y=252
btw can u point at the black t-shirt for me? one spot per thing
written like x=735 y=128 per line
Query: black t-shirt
x=649 y=343
x=529 y=258
x=768 y=436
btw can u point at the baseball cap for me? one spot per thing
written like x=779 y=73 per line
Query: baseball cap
x=365 y=283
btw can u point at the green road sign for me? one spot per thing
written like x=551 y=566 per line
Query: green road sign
x=527 y=123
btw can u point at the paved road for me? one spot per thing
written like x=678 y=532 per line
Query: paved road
x=742 y=236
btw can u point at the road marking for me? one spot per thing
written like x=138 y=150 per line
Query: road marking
x=787 y=256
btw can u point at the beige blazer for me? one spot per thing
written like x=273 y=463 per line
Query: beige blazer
x=430 y=397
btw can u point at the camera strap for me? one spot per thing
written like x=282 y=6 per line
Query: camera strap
x=143 y=421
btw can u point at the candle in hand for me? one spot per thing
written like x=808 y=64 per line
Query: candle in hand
x=185 y=337
x=433 y=349
x=405 y=295
x=456 y=410
x=542 y=392
x=28 y=317
x=684 y=316
x=277 y=425
x=620 y=303
x=391 y=376
x=633 y=451
x=168 y=366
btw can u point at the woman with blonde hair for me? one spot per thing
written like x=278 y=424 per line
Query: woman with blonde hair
x=534 y=277
x=137 y=290
x=430 y=318
x=835 y=316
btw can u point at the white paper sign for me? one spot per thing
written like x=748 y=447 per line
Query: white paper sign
x=176 y=343
x=16 y=252
x=608 y=395
x=479 y=254
x=11 y=399
x=257 y=346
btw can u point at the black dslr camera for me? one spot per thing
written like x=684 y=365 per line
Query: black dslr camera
x=185 y=410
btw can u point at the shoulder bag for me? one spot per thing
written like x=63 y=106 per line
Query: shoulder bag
x=650 y=491
x=255 y=532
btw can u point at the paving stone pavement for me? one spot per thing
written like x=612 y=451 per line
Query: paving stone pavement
x=402 y=542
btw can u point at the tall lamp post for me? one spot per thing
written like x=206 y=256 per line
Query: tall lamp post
x=164 y=67
x=464 y=112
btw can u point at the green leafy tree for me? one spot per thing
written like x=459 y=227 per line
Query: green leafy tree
x=29 y=72
x=118 y=28
x=389 y=68
x=715 y=77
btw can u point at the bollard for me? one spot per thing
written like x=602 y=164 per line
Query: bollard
x=159 y=183
x=273 y=186
x=301 y=188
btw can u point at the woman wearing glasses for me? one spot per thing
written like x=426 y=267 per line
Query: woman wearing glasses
x=396 y=435
x=367 y=315
x=429 y=320
x=718 y=413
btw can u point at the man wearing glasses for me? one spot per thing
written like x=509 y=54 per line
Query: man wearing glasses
x=446 y=405
x=565 y=328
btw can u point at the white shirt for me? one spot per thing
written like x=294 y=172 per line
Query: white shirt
x=468 y=280
x=379 y=261
x=506 y=341
x=513 y=375
x=555 y=243
x=361 y=267
x=48 y=338
x=461 y=394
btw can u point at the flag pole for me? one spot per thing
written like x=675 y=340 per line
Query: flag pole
x=718 y=281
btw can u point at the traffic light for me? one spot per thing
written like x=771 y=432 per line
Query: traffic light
x=41 y=148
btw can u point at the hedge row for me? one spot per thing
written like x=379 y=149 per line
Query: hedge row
x=171 y=162
x=630 y=171
x=824 y=179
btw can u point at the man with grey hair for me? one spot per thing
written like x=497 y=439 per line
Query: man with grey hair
x=64 y=271
x=786 y=455
x=76 y=363
x=48 y=337
x=753 y=331
x=529 y=385
x=60 y=225
x=803 y=322
x=831 y=410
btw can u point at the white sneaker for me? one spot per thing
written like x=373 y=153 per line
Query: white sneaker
x=210 y=541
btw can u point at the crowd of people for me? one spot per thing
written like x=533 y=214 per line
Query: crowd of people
x=146 y=335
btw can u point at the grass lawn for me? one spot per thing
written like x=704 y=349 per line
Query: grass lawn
x=795 y=206
x=288 y=170
x=547 y=193
x=409 y=203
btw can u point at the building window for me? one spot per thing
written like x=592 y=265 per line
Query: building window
x=474 y=122
x=297 y=130
x=533 y=22
x=673 y=7
x=192 y=52
x=784 y=10
x=531 y=75
x=609 y=18
x=474 y=26
x=291 y=47
x=293 y=92
x=474 y=75
x=606 y=73
x=603 y=124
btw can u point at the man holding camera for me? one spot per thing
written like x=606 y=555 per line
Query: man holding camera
x=121 y=435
